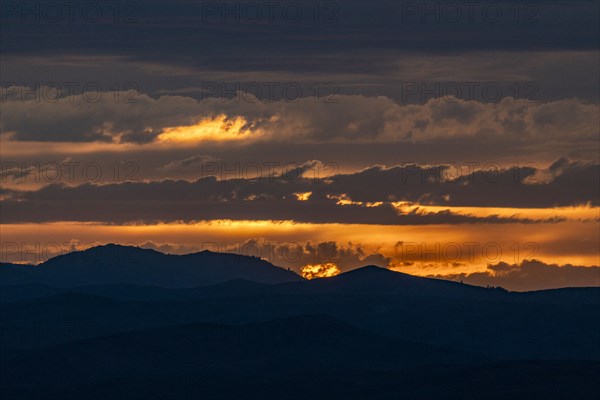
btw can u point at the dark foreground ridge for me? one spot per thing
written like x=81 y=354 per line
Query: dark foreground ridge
x=214 y=326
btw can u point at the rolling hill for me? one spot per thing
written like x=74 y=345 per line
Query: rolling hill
x=127 y=323
x=116 y=264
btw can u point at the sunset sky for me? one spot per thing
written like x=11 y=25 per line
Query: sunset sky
x=322 y=136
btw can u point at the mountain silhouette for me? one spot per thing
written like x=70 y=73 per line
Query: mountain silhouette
x=128 y=323
x=372 y=279
x=313 y=356
x=116 y=264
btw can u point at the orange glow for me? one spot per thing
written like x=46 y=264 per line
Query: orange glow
x=303 y=196
x=418 y=250
x=584 y=212
x=219 y=128
x=344 y=200
x=313 y=271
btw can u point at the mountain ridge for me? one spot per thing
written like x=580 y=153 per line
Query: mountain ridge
x=118 y=264
x=115 y=264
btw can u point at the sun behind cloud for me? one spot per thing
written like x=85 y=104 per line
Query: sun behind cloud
x=313 y=271
x=218 y=128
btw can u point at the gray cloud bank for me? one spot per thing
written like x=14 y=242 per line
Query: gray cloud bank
x=531 y=275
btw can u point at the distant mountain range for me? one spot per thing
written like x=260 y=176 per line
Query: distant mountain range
x=127 y=323
x=116 y=264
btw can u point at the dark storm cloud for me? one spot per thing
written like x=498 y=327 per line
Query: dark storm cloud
x=362 y=197
x=349 y=118
x=565 y=183
x=189 y=163
x=367 y=48
x=135 y=208
x=531 y=275
x=94 y=117
x=216 y=34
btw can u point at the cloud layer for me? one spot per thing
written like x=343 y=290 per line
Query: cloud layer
x=531 y=275
x=345 y=119
x=371 y=196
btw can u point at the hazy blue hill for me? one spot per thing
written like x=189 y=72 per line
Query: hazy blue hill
x=309 y=356
x=282 y=347
x=525 y=380
x=580 y=295
x=15 y=274
x=379 y=281
x=115 y=264
x=10 y=293
x=235 y=287
x=112 y=329
x=317 y=341
x=493 y=327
